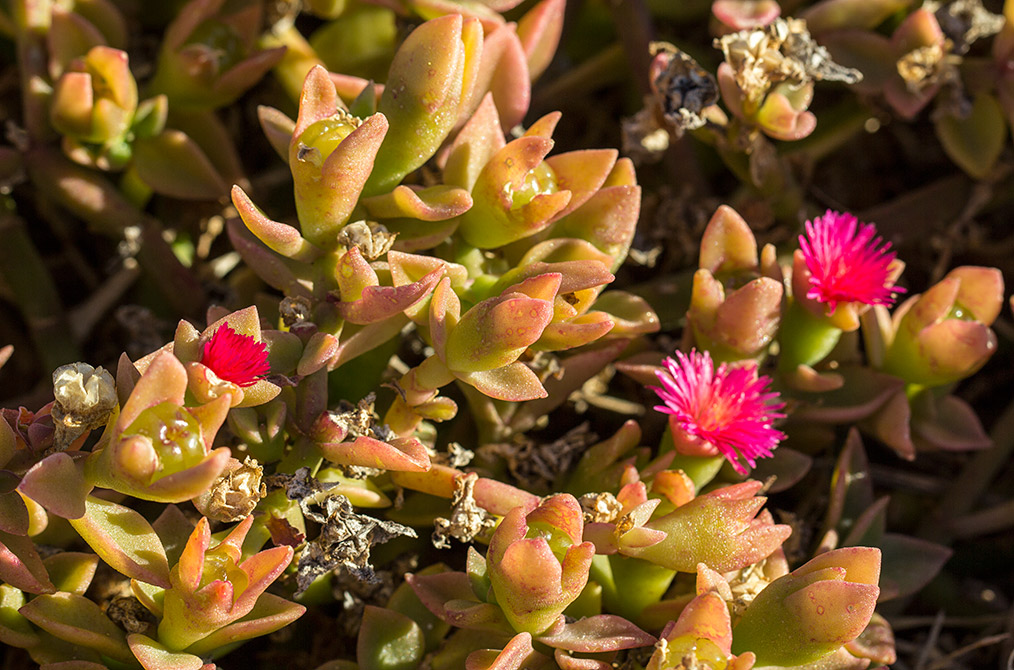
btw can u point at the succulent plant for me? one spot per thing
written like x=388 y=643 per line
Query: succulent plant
x=423 y=342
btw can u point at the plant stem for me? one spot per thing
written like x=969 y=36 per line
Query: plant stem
x=33 y=19
x=23 y=270
x=805 y=339
x=93 y=198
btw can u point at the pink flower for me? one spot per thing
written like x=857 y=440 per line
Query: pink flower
x=727 y=411
x=847 y=262
x=236 y=358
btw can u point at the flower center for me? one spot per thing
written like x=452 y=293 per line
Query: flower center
x=175 y=435
x=236 y=358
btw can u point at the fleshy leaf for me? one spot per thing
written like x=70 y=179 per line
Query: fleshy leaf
x=432 y=75
x=891 y=424
x=437 y=589
x=851 y=486
x=57 y=484
x=435 y=203
x=15 y=630
x=80 y=621
x=515 y=382
x=496 y=331
x=403 y=454
x=8 y=443
x=717 y=528
x=631 y=314
x=864 y=391
x=382 y=302
x=909 y=564
x=947 y=423
x=123 y=539
x=172 y=164
x=514 y=656
x=604 y=632
x=14 y=517
x=834 y=15
x=153 y=656
x=278 y=128
x=976 y=142
x=21 y=566
x=268 y=615
x=473 y=146
x=503 y=71
x=574 y=333
x=279 y=237
x=388 y=640
x=607 y=220
x=539 y=31
x=71 y=571
x=740 y=15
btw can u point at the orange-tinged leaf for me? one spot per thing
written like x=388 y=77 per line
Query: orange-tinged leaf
x=123 y=539
x=172 y=164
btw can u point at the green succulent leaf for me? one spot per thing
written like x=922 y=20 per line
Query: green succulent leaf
x=976 y=141
x=123 y=539
x=389 y=640
x=172 y=164
x=78 y=620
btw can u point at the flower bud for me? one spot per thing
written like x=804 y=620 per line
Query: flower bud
x=158 y=449
x=211 y=588
x=208 y=56
x=516 y=195
x=703 y=633
x=537 y=563
x=331 y=155
x=737 y=325
x=943 y=335
x=93 y=107
x=812 y=611
x=481 y=347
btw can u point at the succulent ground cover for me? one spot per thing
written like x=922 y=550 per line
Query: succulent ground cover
x=500 y=334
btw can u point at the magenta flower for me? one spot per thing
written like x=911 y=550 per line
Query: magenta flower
x=236 y=358
x=728 y=411
x=847 y=262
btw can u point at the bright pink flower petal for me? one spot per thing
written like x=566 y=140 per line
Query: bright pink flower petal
x=236 y=358
x=847 y=261
x=729 y=408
